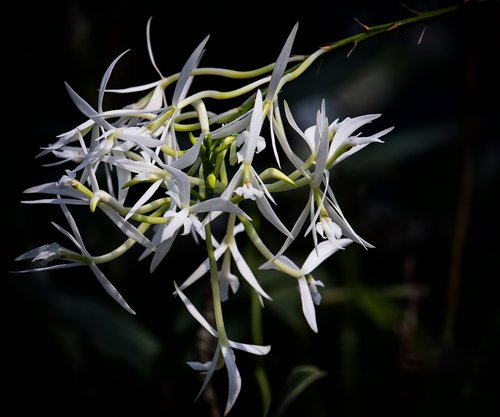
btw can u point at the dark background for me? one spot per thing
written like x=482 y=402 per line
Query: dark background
x=410 y=328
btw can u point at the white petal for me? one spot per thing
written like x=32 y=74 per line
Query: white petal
x=105 y=80
x=182 y=181
x=150 y=49
x=194 y=312
x=203 y=268
x=245 y=270
x=218 y=204
x=255 y=349
x=87 y=110
x=321 y=252
x=161 y=251
x=255 y=127
x=267 y=211
x=281 y=64
x=110 y=289
x=130 y=230
x=189 y=158
x=185 y=77
x=307 y=304
x=234 y=378
x=209 y=371
x=145 y=197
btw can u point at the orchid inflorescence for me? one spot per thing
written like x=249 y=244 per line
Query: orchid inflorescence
x=196 y=167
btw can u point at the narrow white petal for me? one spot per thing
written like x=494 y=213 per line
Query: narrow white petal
x=185 y=77
x=297 y=227
x=267 y=211
x=110 y=289
x=245 y=270
x=307 y=304
x=203 y=268
x=87 y=110
x=209 y=371
x=150 y=49
x=281 y=64
x=161 y=251
x=234 y=378
x=282 y=258
x=105 y=80
x=145 y=197
x=194 y=311
x=218 y=204
x=255 y=128
x=189 y=158
x=255 y=349
x=182 y=181
x=323 y=251
x=198 y=366
x=57 y=201
x=130 y=230
x=49 y=268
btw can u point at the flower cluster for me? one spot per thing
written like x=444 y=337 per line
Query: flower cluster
x=197 y=166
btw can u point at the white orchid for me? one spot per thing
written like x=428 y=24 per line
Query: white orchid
x=309 y=294
x=225 y=348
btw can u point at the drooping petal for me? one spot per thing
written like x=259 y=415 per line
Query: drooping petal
x=110 y=289
x=267 y=211
x=161 y=251
x=209 y=372
x=127 y=228
x=203 y=268
x=194 y=311
x=234 y=378
x=307 y=304
x=245 y=270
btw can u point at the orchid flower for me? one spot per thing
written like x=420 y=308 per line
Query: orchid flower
x=308 y=286
x=52 y=252
x=224 y=349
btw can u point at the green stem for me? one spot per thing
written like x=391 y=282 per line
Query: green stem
x=214 y=282
x=370 y=31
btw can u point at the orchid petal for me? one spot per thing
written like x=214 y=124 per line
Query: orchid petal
x=130 y=230
x=245 y=270
x=281 y=63
x=307 y=304
x=194 y=311
x=105 y=80
x=87 y=110
x=185 y=77
x=233 y=377
x=323 y=251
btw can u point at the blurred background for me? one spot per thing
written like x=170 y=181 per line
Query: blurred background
x=410 y=328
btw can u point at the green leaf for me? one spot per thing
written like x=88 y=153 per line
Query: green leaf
x=297 y=381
